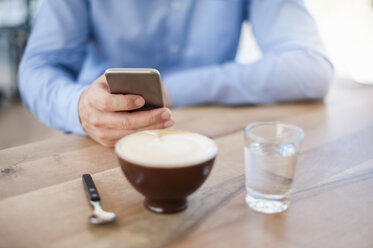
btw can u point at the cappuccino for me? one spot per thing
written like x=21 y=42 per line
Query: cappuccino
x=166 y=148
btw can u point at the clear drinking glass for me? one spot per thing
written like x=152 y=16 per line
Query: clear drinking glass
x=271 y=151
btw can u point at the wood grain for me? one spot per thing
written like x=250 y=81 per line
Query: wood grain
x=43 y=204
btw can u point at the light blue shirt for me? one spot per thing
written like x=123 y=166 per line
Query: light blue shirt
x=193 y=43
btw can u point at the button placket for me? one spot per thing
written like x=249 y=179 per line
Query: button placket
x=175 y=29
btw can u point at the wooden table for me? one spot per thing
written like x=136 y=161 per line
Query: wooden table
x=43 y=204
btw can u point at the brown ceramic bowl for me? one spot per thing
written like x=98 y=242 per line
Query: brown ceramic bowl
x=165 y=188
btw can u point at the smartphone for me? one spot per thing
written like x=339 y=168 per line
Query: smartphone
x=145 y=82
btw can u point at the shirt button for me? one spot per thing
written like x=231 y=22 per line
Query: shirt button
x=175 y=4
x=174 y=48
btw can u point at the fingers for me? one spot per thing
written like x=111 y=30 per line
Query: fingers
x=103 y=100
x=109 y=137
x=107 y=102
x=129 y=121
x=141 y=119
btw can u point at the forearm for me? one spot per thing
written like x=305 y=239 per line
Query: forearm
x=52 y=95
x=286 y=76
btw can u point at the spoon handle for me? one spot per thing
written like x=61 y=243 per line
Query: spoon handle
x=90 y=188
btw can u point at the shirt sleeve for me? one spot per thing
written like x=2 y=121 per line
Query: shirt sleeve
x=51 y=63
x=293 y=66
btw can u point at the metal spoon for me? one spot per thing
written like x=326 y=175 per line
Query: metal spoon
x=99 y=216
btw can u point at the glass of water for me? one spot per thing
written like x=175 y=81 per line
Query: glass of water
x=271 y=151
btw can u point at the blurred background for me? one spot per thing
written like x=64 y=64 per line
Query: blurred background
x=345 y=25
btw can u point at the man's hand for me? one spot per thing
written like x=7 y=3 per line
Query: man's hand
x=101 y=121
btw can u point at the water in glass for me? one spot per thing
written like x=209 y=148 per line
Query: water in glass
x=270 y=169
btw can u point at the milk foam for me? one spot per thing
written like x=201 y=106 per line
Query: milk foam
x=166 y=148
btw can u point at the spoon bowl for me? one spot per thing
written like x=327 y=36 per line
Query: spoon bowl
x=100 y=216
